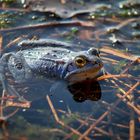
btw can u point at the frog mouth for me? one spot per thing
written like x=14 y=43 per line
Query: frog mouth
x=83 y=74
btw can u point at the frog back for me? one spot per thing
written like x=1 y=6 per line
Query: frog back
x=47 y=60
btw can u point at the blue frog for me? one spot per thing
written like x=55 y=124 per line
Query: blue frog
x=50 y=59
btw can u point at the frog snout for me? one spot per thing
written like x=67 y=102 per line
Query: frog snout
x=101 y=64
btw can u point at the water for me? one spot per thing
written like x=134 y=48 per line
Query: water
x=75 y=104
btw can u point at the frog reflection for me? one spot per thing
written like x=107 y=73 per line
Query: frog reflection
x=86 y=90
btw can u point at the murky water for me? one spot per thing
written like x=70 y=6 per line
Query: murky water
x=116 y=28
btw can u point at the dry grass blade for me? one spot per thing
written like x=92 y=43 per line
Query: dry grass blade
x=106 y=60
x=128 y=66
x=93 y=126
x=16 y=104
x=13 y=42
x=117 y=110
x=3 y=118
x=52 y=108
x=126 y=22
x=60 y=122
x=110 y=129
x=14 y=9
x=121 y=24
x=108 y=76
x=132 y=106
x=113 y=124
x=132 y=123
x=118 y=53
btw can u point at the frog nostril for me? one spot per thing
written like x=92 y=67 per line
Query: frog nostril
x=98 y=62
x=18 y=66
x=95 y=62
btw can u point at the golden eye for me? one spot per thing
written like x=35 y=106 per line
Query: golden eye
x=80 y=61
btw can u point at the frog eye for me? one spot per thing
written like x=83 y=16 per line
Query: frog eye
x=93 y=51
x=80 y=61
x=18 y=66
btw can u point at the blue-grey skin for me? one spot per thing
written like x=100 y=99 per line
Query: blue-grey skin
x=49 y=58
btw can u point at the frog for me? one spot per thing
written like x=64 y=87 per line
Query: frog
x=51 y=59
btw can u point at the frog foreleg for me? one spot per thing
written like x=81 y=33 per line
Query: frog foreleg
x=58 y=85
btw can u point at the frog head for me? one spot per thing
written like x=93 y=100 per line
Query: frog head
x=18 y=67
x=83 y=65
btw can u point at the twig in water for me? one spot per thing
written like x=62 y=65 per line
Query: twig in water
x=117 y=27
x=17 y=104
x=13 y=42
x=2 y=117
x=68 y=23
x=14 y=9
x=132 y=106
x=108 y=76
x=117 y=109
x=118 y=53
x=128 y=66
x=109 y=117
x=132 y=122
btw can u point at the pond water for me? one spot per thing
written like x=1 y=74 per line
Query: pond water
x=89 y=109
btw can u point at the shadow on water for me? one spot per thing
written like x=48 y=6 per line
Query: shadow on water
x=85 y=90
